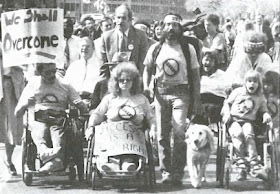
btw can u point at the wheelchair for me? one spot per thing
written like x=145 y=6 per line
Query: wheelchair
x=212 y=105
x=144 y=174
x=266 y=144
x=73 y=162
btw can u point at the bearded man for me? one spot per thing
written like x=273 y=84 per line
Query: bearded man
x=176 y=70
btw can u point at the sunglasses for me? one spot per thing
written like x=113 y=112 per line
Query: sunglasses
x=125 y=80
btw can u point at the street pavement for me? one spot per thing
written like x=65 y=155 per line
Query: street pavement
x=51 y=184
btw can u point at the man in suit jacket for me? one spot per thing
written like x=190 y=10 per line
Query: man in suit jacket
x=124 y=39
x=261 y=27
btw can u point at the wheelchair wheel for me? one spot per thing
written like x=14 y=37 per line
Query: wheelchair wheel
x=151 y=175
x=149 y=179
x=220 y=160
x=28 y=158
x=89 y=165
x=227 y=178
x=94 y=176
x=76 y=146
x=150 y=166
x=219 y=154
x=223 y=160
x=275 y=163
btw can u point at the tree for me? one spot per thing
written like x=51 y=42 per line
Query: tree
x=234 y=8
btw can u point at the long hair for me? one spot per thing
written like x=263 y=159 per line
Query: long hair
x=252 y=74
x=158 y=24
x=131 y=69
x=213 y=57
x=273 y=78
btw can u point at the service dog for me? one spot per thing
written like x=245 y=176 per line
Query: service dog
x=200 y=143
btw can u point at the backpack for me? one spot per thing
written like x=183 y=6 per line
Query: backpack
x=185 y=47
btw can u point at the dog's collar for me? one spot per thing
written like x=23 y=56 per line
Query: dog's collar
x=205 y=147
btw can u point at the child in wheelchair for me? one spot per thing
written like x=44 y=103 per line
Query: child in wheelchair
x=212 y=88
x=239 y=114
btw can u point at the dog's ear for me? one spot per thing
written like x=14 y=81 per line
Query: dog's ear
x=210 y=138
x=189 y=130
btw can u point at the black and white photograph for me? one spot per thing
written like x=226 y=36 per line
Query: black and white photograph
x=139 y=96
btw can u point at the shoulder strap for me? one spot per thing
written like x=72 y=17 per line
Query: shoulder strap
x=155 y=55
x=215 y=35
x=186 y=51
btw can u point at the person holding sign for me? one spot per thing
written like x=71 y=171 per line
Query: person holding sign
x=10 y=127
x=124 y=103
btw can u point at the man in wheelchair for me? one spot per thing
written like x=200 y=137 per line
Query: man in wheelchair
x=239 y=113
x=47 y=97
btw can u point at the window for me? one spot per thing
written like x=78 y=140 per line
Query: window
x=73 y=7
x=67 y=6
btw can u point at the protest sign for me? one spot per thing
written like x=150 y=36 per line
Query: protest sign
x=32 y=36
x=121 y=137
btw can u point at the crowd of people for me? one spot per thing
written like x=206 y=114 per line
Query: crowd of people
x=120 y=62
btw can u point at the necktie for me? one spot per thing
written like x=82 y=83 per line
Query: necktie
x=123 y=43
x=67 y=55
x=85 y=75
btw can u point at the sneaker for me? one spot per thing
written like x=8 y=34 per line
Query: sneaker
x=241 y=164
x=108 y=167
x=241 y=176
x=255 y=166
x=51 y=166
x=11 y=168
x=166 y=178
x=130 y=167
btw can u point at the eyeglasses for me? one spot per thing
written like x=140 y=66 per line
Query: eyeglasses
x=125 y=80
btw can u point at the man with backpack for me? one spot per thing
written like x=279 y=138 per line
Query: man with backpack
x=173 y=64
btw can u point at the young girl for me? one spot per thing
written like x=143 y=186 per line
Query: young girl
x=239 y=113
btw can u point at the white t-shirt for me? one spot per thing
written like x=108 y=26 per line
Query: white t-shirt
x=171 y=64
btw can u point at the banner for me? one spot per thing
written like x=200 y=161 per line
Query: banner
x=32 y=36
x=119 y=138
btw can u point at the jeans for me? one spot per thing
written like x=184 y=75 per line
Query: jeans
x=42 y=134
x=171 y=114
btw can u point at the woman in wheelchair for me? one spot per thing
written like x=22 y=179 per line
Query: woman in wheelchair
x=124 y=102
x=239 y=113
x=49 y=97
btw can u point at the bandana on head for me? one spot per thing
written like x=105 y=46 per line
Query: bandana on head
x=171 y=18
x=141 y=27
x=254 y=47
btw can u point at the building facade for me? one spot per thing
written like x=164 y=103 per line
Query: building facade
x=144 y=9
x=151 y=9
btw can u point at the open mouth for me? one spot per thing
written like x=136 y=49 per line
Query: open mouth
x=251 y=88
